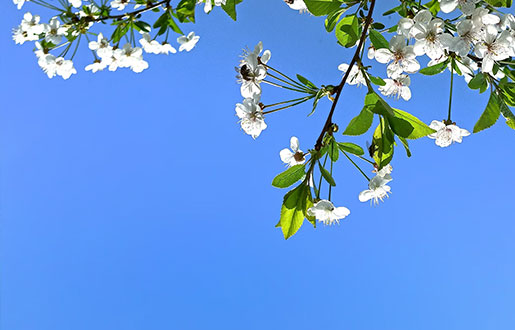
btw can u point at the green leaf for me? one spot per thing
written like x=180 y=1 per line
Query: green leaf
x=376 y=80
x=434 y=69
x=327 y=176
x=322 y=7
x=376 y=104
x=185 y=11
x=406 y=146
x=351 y=148
x=316 y=99
x=289 y=177
x=383 y=140
x=332 y=19
x=120 y=31
x=478 y=82
x=174 y=26
x=500 y=3
x=360 y=124
x=142 y=26
x=230 y=8
x=347 y=31
x=306 y=82
x=407 y=123
x=377 y=40
x=490 y=115
x=293 y=210
x=507 y=114
x=334 y=152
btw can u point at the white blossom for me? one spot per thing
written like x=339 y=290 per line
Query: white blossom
x=355 y=76
x=54 y=32
x=468 y=34
x=445 y=134
x=19 y=3
x=104 y=50
x=251 y=116
x=119 y=4
x=97 y=65
x=324 y=211
x=466 y=6
x=208 y=6
x=64 y=68
x=482 y=17
x=252 y=71
x=292 y=157
x=377 y=189
x=297 y=5
x=187 y=42
x=495 y=47
x=129 y=57
x=397 y=87
x=402 y=57
x=154 y=47
x=75 y=3
x=385 y=171
x=430 y=39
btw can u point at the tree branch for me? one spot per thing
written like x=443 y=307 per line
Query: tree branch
x=339 y=88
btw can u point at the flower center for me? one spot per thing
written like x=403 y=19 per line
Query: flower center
x=299 y=156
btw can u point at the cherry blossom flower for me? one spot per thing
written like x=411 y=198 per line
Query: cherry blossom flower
x=495 y=47
x=292 y=157
x=19 y=3
x=129 y=57
x=446 y=135
x=402 y=57
x=251 y=116
x=252 y=71
x=209 y=6
x=297 y=5
x=355 y=76
x=466 y=6
x=75 y=3
x=188 y=42
x=28 y=30
x=399 y=87
x=102 y=46
x=324 y=211
x=468 y=34
x=119 y=4
x=96 y=66
x=482 y=17
x=64 y=68
x=377 y=189
x=154 y=47
x=384 y=172
x=54 y=32
x=430 y=39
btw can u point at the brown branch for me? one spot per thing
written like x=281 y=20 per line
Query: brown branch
x=134 y=13
x=339 y=88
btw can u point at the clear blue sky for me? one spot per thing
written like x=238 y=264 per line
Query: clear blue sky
x=135 y=202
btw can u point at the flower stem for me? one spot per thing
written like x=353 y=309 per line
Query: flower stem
x=320 y=182
x=286 y=82
x=287 y=106
x=450 y=93
x=282 y=74
x=356 y=165
x=283 y=102
x=281 y=86
x=330 y=187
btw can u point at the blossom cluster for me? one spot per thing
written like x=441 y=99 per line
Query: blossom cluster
x=251 y=72
x=62 y=31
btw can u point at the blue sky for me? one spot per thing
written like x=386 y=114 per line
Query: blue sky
x=134 y=201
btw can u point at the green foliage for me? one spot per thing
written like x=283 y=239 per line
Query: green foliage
x=383 y=143
x=500 y=3
x=360 y=124
x=332 y=19
x=306 y=82
x=490 y=115
x=351 y=148
x=377 y=40
x=478 y=82
x=434 y=69
x=348 y=31
x=294 y=209
x=326 y=175
x=322 y=7
x=289 y=177
x=412 y=127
